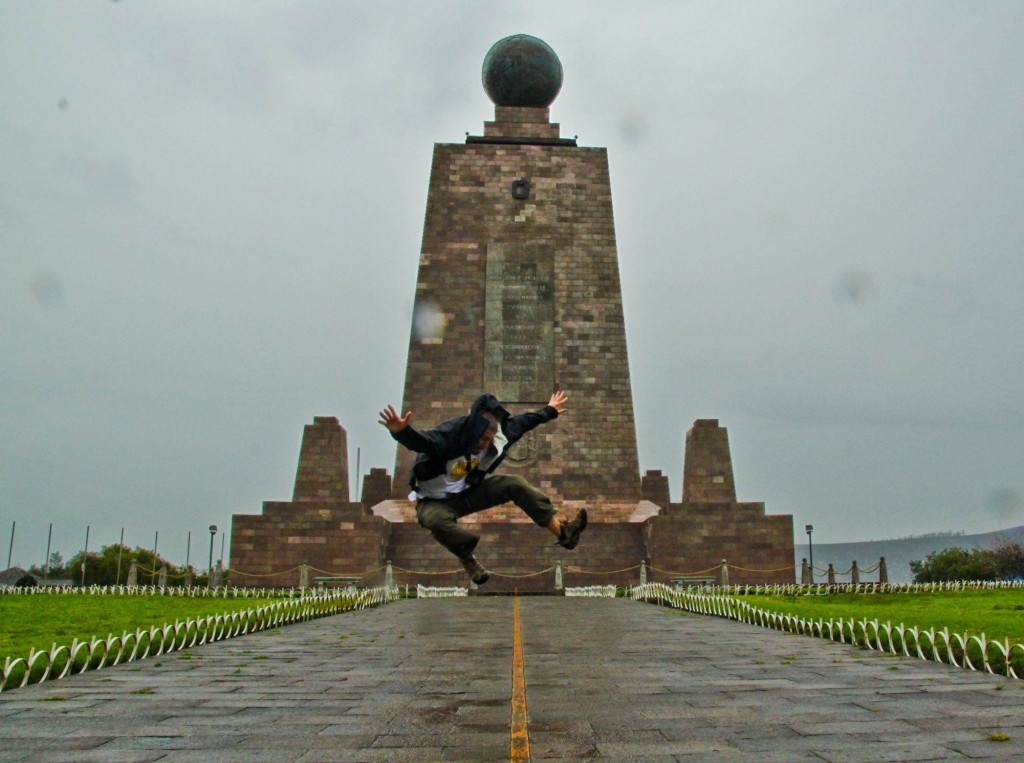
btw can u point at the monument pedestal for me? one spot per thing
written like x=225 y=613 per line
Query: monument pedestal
x=518 y=295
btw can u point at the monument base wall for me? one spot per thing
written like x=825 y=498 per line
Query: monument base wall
x=687 y=539
x=521 y=557
x=331 y=537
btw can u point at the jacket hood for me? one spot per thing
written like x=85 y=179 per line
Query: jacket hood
x=476 y=424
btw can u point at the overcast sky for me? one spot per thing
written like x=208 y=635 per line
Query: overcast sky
x=210 y=221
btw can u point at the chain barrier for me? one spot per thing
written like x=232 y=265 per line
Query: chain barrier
x=687 y=574
x=261 y=575
x=572 y=568
x=344 y=574
x=424 y=572
x=154 y=573
x=525 y=575
x=748 y=569
x=97 y=653
x=996 y=657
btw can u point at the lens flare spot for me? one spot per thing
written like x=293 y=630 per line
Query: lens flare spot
x=1005 y=502
x=428 y=323
x=855 y=287
x=47 y=289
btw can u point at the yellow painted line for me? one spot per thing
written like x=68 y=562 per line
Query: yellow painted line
x=520 y=752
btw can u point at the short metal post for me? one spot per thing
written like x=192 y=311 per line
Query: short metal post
x=85 y=554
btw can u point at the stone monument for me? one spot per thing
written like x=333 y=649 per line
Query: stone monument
x=519 y=287
x=319 y=527
x=518 y=294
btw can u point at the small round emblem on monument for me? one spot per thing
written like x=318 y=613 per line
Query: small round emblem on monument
x=521 y=70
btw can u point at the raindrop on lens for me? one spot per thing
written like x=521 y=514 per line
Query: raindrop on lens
x=428 y=323
x=855 y=287
x=1005 y=502
x=47 y=289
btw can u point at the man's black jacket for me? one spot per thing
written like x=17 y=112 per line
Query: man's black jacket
x=456 y=438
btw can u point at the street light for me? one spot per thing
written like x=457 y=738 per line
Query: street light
x=810 y=548
x=209 y=580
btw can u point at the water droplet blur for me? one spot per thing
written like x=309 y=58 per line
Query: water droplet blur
x=633 y=128
x=855 y=287
x=1005 y=502
x=47 y=289
x=428 y=323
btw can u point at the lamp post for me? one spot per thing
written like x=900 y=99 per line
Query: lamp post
x=810 y=548
x=213 y=532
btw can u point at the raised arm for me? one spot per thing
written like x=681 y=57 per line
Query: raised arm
x=394 y=423
x=410 y=437
x=558 y=400
x=516 y=426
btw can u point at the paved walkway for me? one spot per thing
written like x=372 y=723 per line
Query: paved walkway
x=431 y=680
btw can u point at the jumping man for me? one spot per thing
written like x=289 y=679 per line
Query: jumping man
x=452 y=476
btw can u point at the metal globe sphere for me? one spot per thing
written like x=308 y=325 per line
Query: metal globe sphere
x=521 y=70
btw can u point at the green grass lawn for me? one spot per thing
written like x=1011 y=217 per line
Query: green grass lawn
x=998 y=614
x=37 y=620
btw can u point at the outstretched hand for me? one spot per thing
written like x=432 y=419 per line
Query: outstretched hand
x=557 y=401
x=394 y=423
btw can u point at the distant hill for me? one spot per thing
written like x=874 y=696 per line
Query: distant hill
x=898 y=553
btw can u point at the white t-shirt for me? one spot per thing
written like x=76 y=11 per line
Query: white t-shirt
x=453 y=480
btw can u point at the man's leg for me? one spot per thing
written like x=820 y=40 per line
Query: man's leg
x=498 y=489
x=440 y=518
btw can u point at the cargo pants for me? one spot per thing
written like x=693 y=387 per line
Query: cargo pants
x=441 y=515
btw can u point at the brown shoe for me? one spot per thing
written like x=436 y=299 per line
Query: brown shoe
x=571 y=531
x=475 y=570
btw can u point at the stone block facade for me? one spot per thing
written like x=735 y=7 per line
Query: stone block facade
x=518 y=294
x=686 y=539
x=689 y=539
x=333 y=538
x=707 y=464
x=322 y=473
x=519 y=270
x=319 y=526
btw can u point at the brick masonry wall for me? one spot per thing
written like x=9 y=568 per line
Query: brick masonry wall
x=515 y=553
x=518 y=276
x=376 y=487
x=690 y=538
x=322 y=473
x=707 y=464
x=336 y=538
x=472 y=217
x=654 y=487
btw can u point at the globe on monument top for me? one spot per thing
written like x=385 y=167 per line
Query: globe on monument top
x=521 y=70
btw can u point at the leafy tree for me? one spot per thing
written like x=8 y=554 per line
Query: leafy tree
x=54 y=568
x=103 y=568
x=1008 y=559
x=954 y=564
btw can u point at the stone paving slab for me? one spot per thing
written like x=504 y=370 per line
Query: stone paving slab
x=430 y=680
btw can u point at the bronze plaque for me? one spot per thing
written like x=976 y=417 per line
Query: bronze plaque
x=519 y=322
